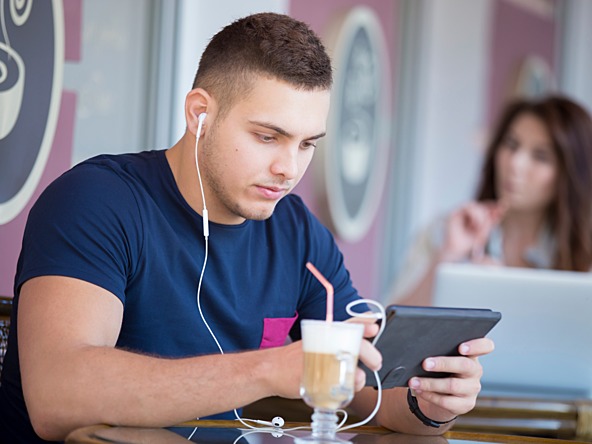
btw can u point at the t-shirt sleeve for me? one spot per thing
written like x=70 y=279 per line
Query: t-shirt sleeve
x=322 y=251
x=85 y=225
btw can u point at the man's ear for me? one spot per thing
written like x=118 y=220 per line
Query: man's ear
x=198 y=101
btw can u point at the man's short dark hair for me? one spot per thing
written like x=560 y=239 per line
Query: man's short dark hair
x=266 y=44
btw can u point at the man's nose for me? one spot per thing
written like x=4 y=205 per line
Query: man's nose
x=286 y=163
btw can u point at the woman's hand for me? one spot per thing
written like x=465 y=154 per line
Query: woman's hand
x=467 y=230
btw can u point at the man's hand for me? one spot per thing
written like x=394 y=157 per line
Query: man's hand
x=285 y=370
x=445 y=398
x=288 y=362
x=369 y=355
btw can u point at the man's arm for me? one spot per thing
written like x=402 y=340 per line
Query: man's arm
x=73 y=376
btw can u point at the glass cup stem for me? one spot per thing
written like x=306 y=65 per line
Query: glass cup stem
x=324 y=424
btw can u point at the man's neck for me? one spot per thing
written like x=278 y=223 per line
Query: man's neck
x=182 y=163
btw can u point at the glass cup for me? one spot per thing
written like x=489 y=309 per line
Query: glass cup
x=330 y=359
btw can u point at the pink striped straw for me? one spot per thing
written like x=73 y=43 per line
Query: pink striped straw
x=327 y=286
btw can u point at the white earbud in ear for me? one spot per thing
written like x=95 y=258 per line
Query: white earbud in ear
x=200 y=121
x=206 y=226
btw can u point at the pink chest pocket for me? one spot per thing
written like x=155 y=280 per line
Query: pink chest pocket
x=275 y=331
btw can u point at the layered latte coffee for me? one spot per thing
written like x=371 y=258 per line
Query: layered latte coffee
x=330 y=359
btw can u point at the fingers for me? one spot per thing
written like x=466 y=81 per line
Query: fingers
x=371 y=330
x=468 y=229
x=370 y=325
x=458 y=366
x=476 y=347
x=479 y=219
x=465 y=366
x=456 y=394
x=370 y=356
x=360 y=380
x=448 y=406
x=465 y=374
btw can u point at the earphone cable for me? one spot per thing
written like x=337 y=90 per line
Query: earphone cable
x=206 y=233
x=381 y=315
x=201 y=118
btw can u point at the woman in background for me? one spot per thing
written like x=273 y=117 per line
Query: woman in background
x=534 y=203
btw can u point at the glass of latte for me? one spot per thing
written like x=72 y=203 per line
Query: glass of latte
x=330 y=360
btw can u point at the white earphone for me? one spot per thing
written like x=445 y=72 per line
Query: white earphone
x=206 y=225
x=276 y=422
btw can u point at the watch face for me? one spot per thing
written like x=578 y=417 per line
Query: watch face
x=356 y=149
x=31 y=66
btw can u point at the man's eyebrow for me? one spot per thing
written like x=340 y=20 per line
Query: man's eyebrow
x=283 y=132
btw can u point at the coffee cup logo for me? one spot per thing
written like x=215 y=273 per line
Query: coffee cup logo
x=11 y=88
x=31 y=67
x=353 y=166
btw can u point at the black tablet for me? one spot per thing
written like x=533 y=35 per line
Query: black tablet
x=413 y=334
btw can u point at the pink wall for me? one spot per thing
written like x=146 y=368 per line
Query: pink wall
x=361 y=258
x=517 y=33
x=60 y=157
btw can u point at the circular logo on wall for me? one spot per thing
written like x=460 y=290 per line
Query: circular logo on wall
x=355 y=152
x=31 y=68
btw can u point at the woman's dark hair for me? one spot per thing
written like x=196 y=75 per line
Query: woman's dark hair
x=570 y=215
x=272 y=45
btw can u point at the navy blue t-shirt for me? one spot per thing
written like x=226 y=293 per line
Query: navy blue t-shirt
x=120 y=222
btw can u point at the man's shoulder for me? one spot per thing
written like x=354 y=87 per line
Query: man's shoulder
x=123 y=162
x=108 y=173
x=105 y=181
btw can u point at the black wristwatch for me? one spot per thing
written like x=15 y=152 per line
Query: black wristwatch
x=414 y=407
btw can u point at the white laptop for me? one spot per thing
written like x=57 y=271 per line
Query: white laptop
x=544 y=339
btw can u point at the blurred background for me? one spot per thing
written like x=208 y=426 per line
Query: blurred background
x=418 y=85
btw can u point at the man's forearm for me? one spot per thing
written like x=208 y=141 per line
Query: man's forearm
x=105 y=385
x=394 y=413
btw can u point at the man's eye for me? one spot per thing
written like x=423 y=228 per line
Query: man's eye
x=307 y=145
x=266 y=138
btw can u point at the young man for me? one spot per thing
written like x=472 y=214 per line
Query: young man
x=109 y=284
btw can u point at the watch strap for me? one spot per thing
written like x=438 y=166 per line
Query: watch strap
x=414 y=407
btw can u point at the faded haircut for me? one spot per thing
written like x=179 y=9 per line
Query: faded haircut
x=268 y=45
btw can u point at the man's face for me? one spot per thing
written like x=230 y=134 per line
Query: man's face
x=258 y=151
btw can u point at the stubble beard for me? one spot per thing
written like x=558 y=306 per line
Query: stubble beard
x=213 y=173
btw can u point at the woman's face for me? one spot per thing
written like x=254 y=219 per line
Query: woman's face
x=526 y=166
